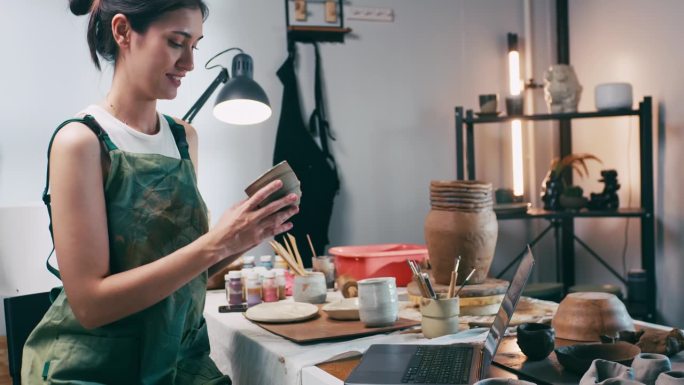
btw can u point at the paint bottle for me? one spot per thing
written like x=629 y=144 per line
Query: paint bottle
x=253 y=289
x=280 y=263
x=245 y=273
x=266 y=261
x=234 y=287
x=248 y=262
x=269 y=288
x=280 y=282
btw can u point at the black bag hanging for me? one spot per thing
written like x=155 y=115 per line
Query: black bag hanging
x=315 y=166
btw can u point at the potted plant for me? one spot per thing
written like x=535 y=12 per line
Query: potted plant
x=555 y=184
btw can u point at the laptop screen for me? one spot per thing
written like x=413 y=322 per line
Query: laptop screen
x=510 y=302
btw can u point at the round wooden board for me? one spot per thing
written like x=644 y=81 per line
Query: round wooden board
x=490 y=287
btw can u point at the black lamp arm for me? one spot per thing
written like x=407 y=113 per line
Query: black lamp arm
x=221 y=78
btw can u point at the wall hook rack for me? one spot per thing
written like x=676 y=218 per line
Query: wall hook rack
x=315 y=21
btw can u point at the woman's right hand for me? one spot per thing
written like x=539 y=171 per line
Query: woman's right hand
x=245 y=225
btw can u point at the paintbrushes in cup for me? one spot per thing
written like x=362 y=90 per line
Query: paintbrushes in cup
x=454 y=277
x=464 y=282
x=417 y=279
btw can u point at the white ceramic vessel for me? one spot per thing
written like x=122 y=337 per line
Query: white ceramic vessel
x=378 y=301
x=613 y=96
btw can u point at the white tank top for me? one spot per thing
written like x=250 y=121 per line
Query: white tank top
x=130 y=140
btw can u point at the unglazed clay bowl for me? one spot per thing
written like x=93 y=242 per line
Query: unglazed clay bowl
x=586 y=316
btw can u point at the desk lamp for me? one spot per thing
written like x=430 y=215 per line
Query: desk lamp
x=241 y=101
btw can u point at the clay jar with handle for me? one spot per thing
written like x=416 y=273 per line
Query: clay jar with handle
x=461 y=222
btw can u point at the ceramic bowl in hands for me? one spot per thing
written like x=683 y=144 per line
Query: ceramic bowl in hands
x=281 y=171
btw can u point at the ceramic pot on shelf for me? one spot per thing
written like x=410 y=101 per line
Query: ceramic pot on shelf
x=461 y=223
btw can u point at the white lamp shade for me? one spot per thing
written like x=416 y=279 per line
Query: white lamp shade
x=242 y=111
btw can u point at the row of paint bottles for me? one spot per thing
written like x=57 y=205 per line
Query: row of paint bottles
x=255 y=285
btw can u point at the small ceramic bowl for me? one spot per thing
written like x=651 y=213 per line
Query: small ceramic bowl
x=536 y=340
x=578 y=358
x=674 y=377
x=345 y=310
x=281 y=171
x=613 y=96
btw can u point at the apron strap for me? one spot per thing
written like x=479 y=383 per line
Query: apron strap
x=318 y=122
x=178 y=131
x=94 y=126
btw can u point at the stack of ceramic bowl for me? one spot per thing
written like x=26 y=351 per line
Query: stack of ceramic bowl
x=281 y=171
x=461 y=195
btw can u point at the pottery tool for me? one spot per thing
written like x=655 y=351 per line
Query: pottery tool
x=287 y=247
x=278 y=248
x=313 y=251
x=293 y=241
x=464 y=282
x=287 y=258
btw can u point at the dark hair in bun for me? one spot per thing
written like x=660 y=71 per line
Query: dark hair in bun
x=80 y=7
x=139 y=13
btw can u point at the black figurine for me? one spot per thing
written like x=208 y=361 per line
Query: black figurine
x=608 y=199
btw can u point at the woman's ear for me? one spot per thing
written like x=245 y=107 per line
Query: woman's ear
x=121 y=30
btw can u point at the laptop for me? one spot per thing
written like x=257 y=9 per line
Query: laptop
x=441 y=364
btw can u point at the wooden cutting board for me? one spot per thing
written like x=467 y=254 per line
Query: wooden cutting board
x=323 y=328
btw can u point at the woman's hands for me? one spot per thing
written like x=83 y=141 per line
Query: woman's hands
x=245 y=225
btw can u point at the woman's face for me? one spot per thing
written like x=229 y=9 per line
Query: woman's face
x=158 y=59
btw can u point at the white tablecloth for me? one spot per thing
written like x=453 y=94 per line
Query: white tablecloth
x=252 y=355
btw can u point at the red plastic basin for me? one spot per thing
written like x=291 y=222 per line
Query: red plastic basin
x=372 y=261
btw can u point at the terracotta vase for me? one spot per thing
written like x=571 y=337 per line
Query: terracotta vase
x=465 y=226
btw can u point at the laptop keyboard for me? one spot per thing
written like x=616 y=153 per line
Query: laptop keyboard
x=439 y=364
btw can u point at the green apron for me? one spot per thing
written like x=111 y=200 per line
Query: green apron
x=153 y=209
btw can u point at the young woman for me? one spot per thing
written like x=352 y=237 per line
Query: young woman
x=130 y=228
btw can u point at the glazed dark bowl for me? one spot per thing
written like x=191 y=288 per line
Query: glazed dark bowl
x=536 y=340
x=578 y=358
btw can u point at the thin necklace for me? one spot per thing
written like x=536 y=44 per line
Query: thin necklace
x=115 y=115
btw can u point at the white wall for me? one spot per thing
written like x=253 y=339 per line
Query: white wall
x=636 y=41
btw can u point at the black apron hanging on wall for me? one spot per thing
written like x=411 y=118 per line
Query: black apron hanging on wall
x=315 y=166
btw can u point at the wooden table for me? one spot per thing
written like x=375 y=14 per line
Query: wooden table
x=509 y=362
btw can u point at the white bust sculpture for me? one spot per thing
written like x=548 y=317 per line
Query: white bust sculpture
x=561 y=88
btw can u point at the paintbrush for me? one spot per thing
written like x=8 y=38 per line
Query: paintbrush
x=452 y=285
x=464 y=282
x=428 y=285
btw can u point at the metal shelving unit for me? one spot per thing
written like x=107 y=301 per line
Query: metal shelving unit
x=562 y=222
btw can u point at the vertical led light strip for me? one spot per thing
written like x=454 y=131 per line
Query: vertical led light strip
x=515 y=87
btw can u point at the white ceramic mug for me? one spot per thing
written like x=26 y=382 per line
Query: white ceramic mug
x=647 y=367
x=310 y=288
x=378 y=301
